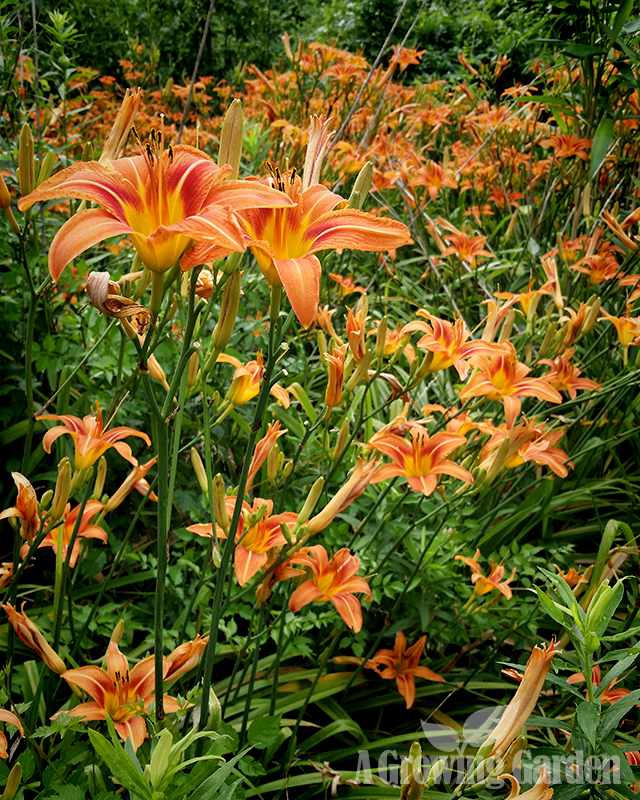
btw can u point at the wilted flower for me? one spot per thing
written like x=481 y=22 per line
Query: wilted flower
x=30 y=635
x=9 y=718
x=26 y=508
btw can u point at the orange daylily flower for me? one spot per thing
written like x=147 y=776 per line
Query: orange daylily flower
x=573 y=578
x=285 y=240
x=541 y=790
x=449 y=342
x=403 y=664
x=610 y=695
x=90 y=438
x=523 y=702
x=119 y=693
x=434 y=178
x=347 y=284
x=86 y=530
x=162 y=199
x=9 y=718
x=502 y=377
x=262 y=450
x=259 y=532
x=26 y=508
x=568 y=146
x=599 y=267
x=330 y=580
x=483 y=584
x=627 y=328
x=528 y=441
x=565 y=376
x=31 y=636
x=246 y=381
x=421 y=460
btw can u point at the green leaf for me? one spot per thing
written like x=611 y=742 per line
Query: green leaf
x=620 y=19
x=119 y=764
x=558 y=613
x=333 y=729
x=263 y=731
x=615 y=672
x=601 y=142
x=613 y=715
x=210 y=788
x=587 y=718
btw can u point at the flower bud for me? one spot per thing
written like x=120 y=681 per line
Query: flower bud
x=118 y=632
x=592 y=314
x=220 y=507
x=13 y=783
x=62 y=490
x=362 y=186
x=228 y=312
x=381 y=339
x=193 y=368
x=26 y=160
x=310 y=503
x=30 y=635
x=343 y=438
x=5 y=197
x=198 y=468
x=231 y=138
x=274 y=462
x=45 y=500
x=101 y=476
x=215 y=712
x=46 y=166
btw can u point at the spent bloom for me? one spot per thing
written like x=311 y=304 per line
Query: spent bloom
x=26 y=509
x=402 y=663
x=9 y=718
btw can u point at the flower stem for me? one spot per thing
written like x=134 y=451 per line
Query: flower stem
x=263 y=397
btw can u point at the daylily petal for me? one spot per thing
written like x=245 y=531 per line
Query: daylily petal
x=300 y=278
x=239 y=195
x=356 y=230
x=92 y=680
x=306 y=593
x=79 y=233
x=349 y=609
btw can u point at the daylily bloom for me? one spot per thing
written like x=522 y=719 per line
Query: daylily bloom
x=565 y=376
x=163 y=199
x=627 y=328
x=403 y=664
x=123 y=695
x=434 y=178
x=85 y=530
x=568 y=146
x=245 y=384
x=610 y=695
x=449 y=342
x=259 y=532
x=335 y=379
x=466 y=247
x=285 y=240
x=523 y=702
x=26 y=508
x=502 y=377
x=528 y=441
x=599 y=267
x=573 y=578
x=347 y=284
x=333 y=581
x=483 y=584
x=90 y=439
x=262 y=450
x=421 y=460
x=30 y=635
x=9 y=718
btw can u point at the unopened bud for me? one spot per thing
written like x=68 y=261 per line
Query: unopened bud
x=274 y=462
x=312 y=500
x=159 y=762
x=593 y=313
x=343 y=438
x=193 y=368
x=62 y=490
x=156 y=372
x=381 y=339
x=219 y=504
x=321 y=340
x=46 y=166
x=215 y=712
x=362 y=186
x=118 y=632
x=200 y=472
x=12 y=783
x=228 y=312
x=231 y=138
x=436 y=772
x=507 y=325
x=286 y=469
x=101 y=476
x=26 y=160
x=5 y=197
x=45 y=500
